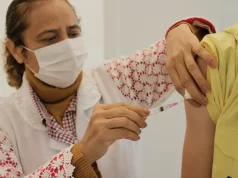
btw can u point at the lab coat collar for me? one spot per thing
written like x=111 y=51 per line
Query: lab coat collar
x=24 y=103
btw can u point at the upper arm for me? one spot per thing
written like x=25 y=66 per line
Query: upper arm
x=199 y=140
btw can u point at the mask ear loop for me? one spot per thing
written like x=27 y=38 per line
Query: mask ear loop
x=27 y=49
x=25 y=61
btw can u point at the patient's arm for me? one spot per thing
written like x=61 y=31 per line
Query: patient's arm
x=199 y=140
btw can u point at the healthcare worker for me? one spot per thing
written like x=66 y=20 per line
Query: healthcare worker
x=65 y=121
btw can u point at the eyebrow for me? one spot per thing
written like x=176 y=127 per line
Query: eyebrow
x=47 y=31
x=76 y=26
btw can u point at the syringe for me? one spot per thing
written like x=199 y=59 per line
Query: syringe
x=168 y=106
x=164 y=108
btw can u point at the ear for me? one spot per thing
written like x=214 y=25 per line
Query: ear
x=16 y=51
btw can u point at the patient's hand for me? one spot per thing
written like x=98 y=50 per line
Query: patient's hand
x=182 y=47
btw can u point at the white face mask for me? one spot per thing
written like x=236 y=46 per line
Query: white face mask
x=60 y=63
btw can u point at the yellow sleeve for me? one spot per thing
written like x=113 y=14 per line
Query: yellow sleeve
x=223 y=100
x=222 y=79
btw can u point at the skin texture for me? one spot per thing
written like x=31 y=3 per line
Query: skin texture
x=199 y=140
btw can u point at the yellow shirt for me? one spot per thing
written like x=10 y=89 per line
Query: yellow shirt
x=223 y=100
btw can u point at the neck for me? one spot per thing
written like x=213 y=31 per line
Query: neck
x=55 y=100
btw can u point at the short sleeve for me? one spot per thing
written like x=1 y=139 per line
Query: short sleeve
x=223 y=79
x=223 y=100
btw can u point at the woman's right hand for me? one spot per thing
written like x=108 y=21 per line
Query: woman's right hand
x=109 y=123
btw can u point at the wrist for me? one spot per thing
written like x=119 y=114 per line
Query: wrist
x=185 y=26
x=192 y=28
x=194 y=21
x=197 y=31
x=88 y=156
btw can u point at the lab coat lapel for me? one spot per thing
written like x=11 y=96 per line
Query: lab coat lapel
x=88 y=97
x=24 y=104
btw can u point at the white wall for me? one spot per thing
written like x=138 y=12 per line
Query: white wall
x=135 y=24
x=92 y=21
x=228 y=15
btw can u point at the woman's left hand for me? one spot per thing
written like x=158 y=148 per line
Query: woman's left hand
x=182 y=47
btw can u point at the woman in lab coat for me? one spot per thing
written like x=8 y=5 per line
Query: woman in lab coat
x=62 y=118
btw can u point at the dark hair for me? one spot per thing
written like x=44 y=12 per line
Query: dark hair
x=16 y=24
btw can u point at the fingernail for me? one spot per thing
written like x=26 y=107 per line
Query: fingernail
x=145 y=125
x=144 y=118
x=213 y=64
x=206 y=88
x=146 y=110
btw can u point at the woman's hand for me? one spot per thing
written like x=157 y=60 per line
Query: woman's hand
x=182 y=47
x=111 y=122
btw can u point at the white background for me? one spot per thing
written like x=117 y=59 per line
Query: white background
x=115 y=27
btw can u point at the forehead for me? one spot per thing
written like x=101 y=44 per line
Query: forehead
x=51 y=14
